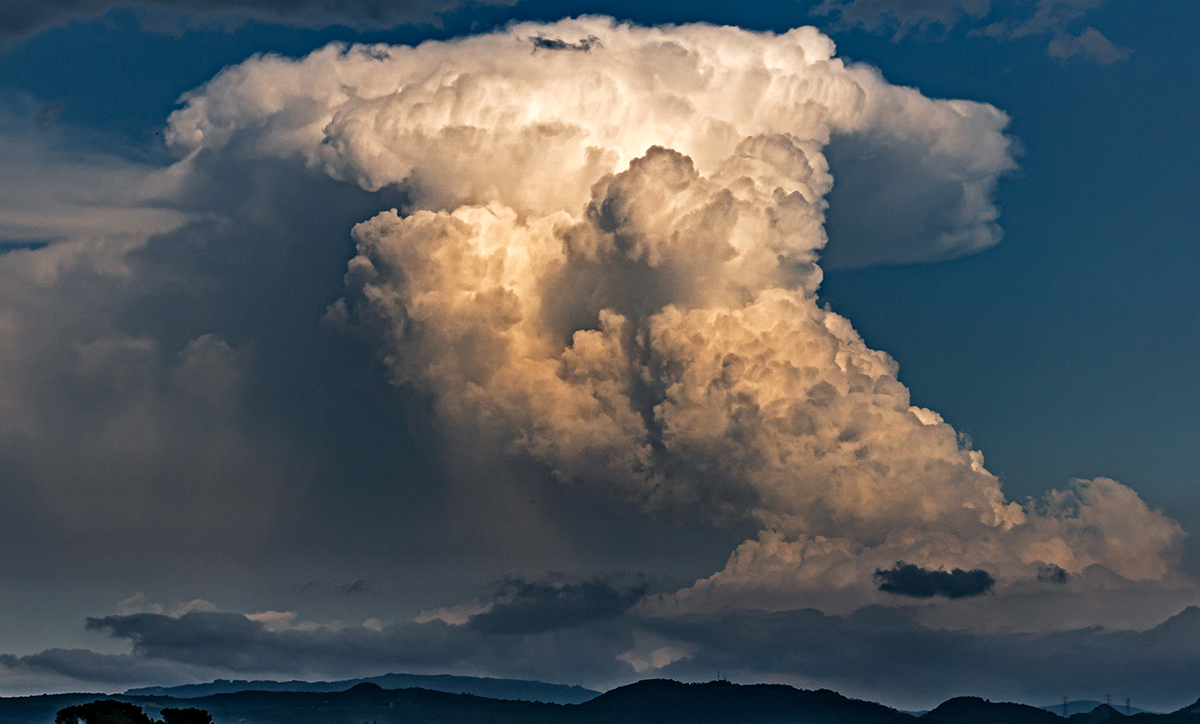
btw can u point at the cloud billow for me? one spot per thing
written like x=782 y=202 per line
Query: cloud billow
x=905 y=579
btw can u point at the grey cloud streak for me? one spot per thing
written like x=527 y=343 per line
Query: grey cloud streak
x=116 y=670
x=531 y=607
x=1000 y=19
x=902 y=16
x=24 y=17
x=230 y=642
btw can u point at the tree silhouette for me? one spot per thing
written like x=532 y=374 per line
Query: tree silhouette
x=107 y=711
x=186 y=716
x=111 y=711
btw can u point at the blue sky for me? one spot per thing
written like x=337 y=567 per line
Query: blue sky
x=294 y=477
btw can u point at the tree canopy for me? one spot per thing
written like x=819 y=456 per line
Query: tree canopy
x=106 y=711
x=111 y=711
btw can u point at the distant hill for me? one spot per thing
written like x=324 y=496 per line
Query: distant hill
x=973 y=710
x=1083 y=706
x=514 y=689
x=655 y=701
x=664 y=701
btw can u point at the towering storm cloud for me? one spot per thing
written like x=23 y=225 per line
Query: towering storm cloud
x=609 y=264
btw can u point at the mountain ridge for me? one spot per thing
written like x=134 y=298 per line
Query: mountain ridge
x=492 y=688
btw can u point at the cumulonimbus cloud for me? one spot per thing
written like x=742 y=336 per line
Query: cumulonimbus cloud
x=610 y=265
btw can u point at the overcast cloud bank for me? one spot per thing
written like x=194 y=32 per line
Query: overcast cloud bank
x=609 y=264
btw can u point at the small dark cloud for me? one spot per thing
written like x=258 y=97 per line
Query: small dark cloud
x=906 y=579
x=359 y=586
x=204 y=638
x=1091 y=44
x=543 y=43
x=1051 y=574
x=48 y=113
x=523 y=608
x=8 y=246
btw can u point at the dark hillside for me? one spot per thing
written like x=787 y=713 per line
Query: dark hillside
x=663 y=700
x=973 y=710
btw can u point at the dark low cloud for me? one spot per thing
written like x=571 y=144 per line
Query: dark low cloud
x=524 y=607
x=906 y=579
x=117 y=669
x=50 y=669
x=25 y=17
x=241 y=645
